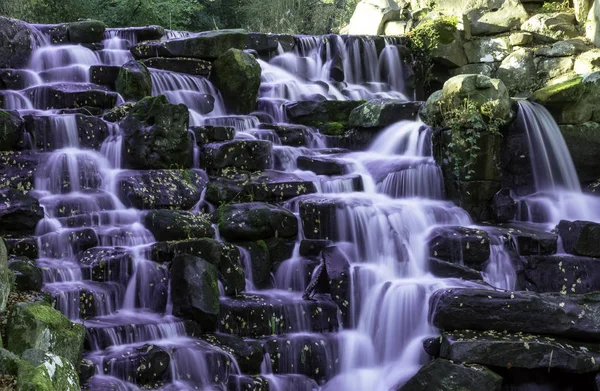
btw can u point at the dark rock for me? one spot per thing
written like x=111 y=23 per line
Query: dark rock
x=155 y=135
x=529 y=240
x=570 y=316
x=65 y=95
x=461 y=245
x=504 y=207
x=133 y=81
x=104 y=75
x=142 y=33
x=280 y=249
x=251 y=155
x=19 y=213
x=86 y=31
x=337 y=269
x=319 y=219
x=248 y=353
x=16 y=79
x=168 y=225
x=245 y=382
x=504 y=350
x=445 y=269
x=225 y=257
x=15 y=43
x=269 y=43
x=160 y=189
x=87 y=369
x=22 y=247
x=291 y=135
x=28 y=277
x=102 y=264
x=212 y=134
x=254 y=221
x=383 y=112
x=313 y=247
x=432 y=346
x=583 y=142
x=257 y=257
x=148 y=364
x=189 y=66
x=207 y=45
x=580 y=237
x=195 y=290
x=443 y=375
x=329 y=116
x=11 y=130
x=565 y=274
x=321 y=165
x=236 y=75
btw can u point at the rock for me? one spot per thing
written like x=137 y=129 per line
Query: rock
x=443 y=375
x=254 y=221
x=554 y=66
x=337 y=270
x=527 y=239
x=564 y=274
x=592 y=26
x=588 y=62
x=190 y=66
x=432 y=346
x=11 y=130
x=461 y=245
x=451 y=55
x=160 y=189
x=41 y=370
x=321 y=114
x=134 y=81
x=15 y=43
x=551 y=27
x=291 y=135
x=236 y=74
x=6 y=277
x=212 y=134
x=168 y=225
x=248 y=353
x=486 y=69
x=16 y=79
x=319 y=218
x=19 y=213
x=147 y=365
x=102 y=264
x=520 y=38
x=570 y=47
x=258 y=263
x=321 y=166
x=510 y=16
x=9 y=363
x=251 y=155
x=28 y=277
x=517 y=70
x=504 y=207
x=487 y=49
x=195 y=290
x=70 y=95
x=17 y=170
x=502 y=350
x=87 y=31
x=38 y=326
x=570 y=316
x=580 y=237
x=155 y=135
x=207 y=45
x=583 y=142
x=383 y=112
x=225 y=257
x=23 y=247
x=370 y=17
x=269 y=43
x=445 y=269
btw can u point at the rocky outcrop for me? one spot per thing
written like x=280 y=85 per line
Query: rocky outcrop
x=19 y=213
x=134 y=81
x=15 y=43
x=580 y=237
x=255 y=221
x=167 y=225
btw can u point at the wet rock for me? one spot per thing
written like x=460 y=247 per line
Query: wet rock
x=337 y=270
x=445 y=269
x=529 y=240
x=245 y=382
x=251 y=155
x=87 y=369
x=432 y=346
x=27 y=276
x=15 y=43
x=319 y=218
x=254 y=221
x=168 y=225
x=583 y=141
x=15 y=79
x=9 y=363
x=92 y=131
x=258 y=315
x=324 y=115
x=551 y=27
x=570 y=316
x=86 y=31
x=248 y=353
x=258 y=257
x=565 y=274
x=6 y=277
x=207 y=45
x=444 y=375
x=144 y=33
x=155 y=135
x=236 y=74
x=502 y=350
x=134 y=81
x=313 y=247
x=225 y=257
x=280 y=249
x=22 y=247
x=321 y=166
x=19 y=213
x=40 y=370
x=487 y=49
x=148 y=364
x=104 y=75
x=212 y=134
x=504 y=207
x=38 y=326
x=189 y=66
x=383 y=112
x=292 y=135
x=195 y=290
x=580 y=237
x=160 y=189
x=461 y=245
x=269 y=43
x=65 y=95
x=11 y=130
x=102 y=264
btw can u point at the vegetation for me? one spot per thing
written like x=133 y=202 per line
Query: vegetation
x=555 y=6
x=280 y=16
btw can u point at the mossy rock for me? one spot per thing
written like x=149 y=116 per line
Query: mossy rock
x=86 y=31
x=236 y=74
x=134 y=81
x=39 y=326
x=11 y=130
x=333 y=128
x=28 y=277
x=6 y=277
x=9 y=363
x=569 y=91
x=329 y=116
x=43 y=371
x=168 y=225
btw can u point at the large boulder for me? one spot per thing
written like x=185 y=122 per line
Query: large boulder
x=134 y=81
x=383 y=112
x=551 y=27
x=168 y=225
x=27 y=276
x=329 y=116
x=587 y=62
x=518 y=71
x=461 y=245
x=588 y=14
x=86 y=31
x=15 y=43
x=370 y=16
x=254 y=221
x=207 y=45
x=570 y=316
x=195 y=290
x=236 y=74
x=580 y=237
x=487 y=50
x=444 y=375
x=510 y=16
x=251 y=155
x=11 y=130
x=45 y=371
x=19 y=213
x=155 y=135
x=39 y=326
x=583 y=141
x=561 y=273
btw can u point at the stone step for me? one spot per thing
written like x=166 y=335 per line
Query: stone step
x=70 y=95
x=559 y=273
x=102 y=264
x=250 y=155
x=72 y=204
x=86 y=299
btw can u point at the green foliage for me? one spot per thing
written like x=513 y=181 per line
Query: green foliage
x=467 y=123
x=554 y=6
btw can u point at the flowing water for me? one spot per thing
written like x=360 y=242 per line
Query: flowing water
x=388 y=200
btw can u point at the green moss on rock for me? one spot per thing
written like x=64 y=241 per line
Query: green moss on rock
x=43 y=371
x=134 y=81
x=237 y=76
